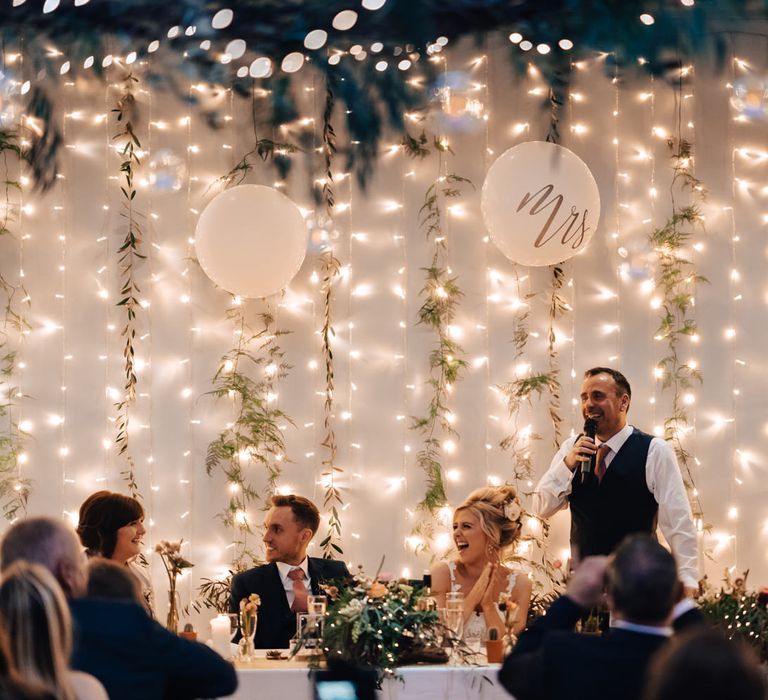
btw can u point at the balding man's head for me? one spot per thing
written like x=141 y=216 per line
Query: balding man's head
x=51 y=544
x=642 y=581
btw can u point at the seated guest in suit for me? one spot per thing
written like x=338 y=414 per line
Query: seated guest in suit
x=117 y=641
x=485 y=526
x=551 y=661
x=111 y=526
x=704 y=665
x=110 y=580
x=284 y=583
x=34 y=612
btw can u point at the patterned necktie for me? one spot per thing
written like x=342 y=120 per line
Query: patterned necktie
x=299 y=590
x=602 y=453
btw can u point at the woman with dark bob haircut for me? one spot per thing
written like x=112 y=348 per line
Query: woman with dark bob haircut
x=112 y=526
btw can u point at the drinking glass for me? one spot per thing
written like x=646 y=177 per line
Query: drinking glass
x=317 y=604
x=454 y=613
x=309 y=630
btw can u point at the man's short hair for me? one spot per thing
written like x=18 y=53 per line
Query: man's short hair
x=304 y=511
x=642 y=580
x=621 y=381
x=36 y=540
x=108 y=579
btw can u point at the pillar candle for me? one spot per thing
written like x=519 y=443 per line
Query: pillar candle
x=220 y=635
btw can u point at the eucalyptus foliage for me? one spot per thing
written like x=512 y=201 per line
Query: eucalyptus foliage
x=378 y=625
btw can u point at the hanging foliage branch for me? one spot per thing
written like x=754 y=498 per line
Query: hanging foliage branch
x=558 y=305
x=676 y=278
x=440 y=296
x=332 y=500
x=329 y=149
x=128 y=253
x=255 y=435
x=267 y=150
x=14 y=491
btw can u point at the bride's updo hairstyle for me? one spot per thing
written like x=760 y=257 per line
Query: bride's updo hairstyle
x=499 y=511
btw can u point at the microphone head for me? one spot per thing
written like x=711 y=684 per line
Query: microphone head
x=590 y=427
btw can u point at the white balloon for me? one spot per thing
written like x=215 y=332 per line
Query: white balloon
x=540 y=203
x=251 y=240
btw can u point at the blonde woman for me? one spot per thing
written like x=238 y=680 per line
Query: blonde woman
x=36 y=617
x=485 y=526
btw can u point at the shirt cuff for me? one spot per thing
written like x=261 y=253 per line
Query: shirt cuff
x=562 y=474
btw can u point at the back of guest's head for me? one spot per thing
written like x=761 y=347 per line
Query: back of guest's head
x=12 y=687
x=499 y=511
x=102 y=514
x=704 y=665
x=108 y=579
x=642 y=581
x=36 y=616
x=50 y=543
x=304 y=511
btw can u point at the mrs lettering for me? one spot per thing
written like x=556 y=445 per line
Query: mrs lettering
x=573 y=228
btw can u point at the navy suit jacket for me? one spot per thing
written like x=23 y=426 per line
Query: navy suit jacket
x=551 y=662
x=135 y=657
x=276 y=624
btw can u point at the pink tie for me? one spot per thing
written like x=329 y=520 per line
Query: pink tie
x=299 y=590
x=602 y=453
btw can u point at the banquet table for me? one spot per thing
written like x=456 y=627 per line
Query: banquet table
x=263 y=679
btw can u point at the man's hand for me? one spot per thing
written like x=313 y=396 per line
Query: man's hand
x=582 y=451
x=586 y=585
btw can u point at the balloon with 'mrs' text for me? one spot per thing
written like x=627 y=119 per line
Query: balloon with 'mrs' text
x=540 y=203
x=251 y=240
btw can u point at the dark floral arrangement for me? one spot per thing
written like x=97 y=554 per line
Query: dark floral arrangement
x=381 y=624
x=739 y=612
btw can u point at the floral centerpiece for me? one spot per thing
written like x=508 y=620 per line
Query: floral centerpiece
x=380 y=624
x=737 y=610
x=174 y=563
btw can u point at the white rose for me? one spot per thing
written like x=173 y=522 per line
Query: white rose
x=513 y=510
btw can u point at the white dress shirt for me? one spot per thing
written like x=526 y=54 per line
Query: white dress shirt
x=662 y=475
x=284 y=569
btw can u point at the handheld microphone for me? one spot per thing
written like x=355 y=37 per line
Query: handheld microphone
x=588 y=466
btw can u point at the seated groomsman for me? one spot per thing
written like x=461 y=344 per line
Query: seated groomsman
x=290 y=576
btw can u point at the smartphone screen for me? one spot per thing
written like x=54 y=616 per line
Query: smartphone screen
x=335 y=690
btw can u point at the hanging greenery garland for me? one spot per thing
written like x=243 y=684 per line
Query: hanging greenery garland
x=128 y=253
x=440 y=296
x=332 y=499
x=255 y=435
x=14 y=491
x=676 y=278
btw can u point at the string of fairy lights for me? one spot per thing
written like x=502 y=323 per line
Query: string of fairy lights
x=172 y=501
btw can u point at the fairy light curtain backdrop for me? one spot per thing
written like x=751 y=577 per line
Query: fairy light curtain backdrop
x=408 y=361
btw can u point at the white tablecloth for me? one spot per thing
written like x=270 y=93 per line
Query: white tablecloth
x=419 y=683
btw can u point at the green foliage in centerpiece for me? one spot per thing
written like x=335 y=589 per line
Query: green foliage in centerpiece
x=379 y=624
x=738 y=612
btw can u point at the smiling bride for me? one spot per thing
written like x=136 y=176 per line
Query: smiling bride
x=485 y=526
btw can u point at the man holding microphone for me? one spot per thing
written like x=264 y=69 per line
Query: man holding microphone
x=618 y=480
